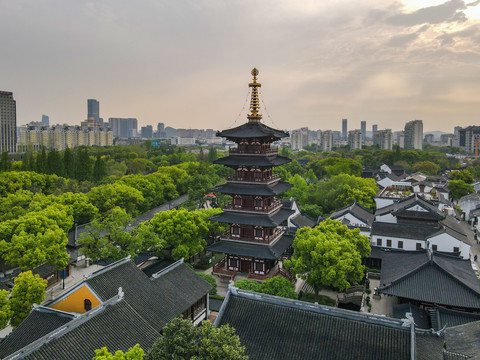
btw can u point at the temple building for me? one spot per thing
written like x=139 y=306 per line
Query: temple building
x=257 y=237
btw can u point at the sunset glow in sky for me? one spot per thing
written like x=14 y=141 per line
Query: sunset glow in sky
x=187 y=62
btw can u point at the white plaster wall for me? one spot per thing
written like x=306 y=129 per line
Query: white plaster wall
x=408 y=244
x=354 y=221
x=467 y=206
x=385 y=168
x=446 y=243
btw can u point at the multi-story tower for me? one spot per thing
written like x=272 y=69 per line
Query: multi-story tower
x=363 y=127
x=414 y=134
x=123 y=127
x=327 y=140
x=355 y=139
x=344 y=129
x=8 y=122
x=383 y=138
x=147 y=131
x=45 y=120
x=374 y=130
x=300 y=138
x=256 y=238
x=93 y=109
x=468 y=137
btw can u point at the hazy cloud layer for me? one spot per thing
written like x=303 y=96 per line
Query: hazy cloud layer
x=187 y=62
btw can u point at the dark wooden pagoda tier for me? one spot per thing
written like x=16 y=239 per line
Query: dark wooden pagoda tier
x=256 y=238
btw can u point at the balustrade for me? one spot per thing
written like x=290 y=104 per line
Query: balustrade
x=263 y=209
x=254 y=151
x=267 y=239
x=248 y=179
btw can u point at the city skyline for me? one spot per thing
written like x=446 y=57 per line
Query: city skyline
x=184 y=64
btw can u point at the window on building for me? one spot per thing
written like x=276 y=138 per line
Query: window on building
x=400 y=244
x=419 y=246
x=379 y=242
x=389 y=243
x=456 y=249
x=258 y=266
x=258 y=203
x=258 y=233
x=434 y=247
x=233 y=263
x=87 y=305
x=235 y=230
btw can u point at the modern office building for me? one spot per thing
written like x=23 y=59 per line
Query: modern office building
x=327 y=140
x=45 y=120
x=363 y=128
x=147 y=131
x=374 y=130
x=414 y=134
x=344 y=129
x=468 y=137
x=8 y=122
x=383 y=138
x=123 y=127
x=93 y=109
x=355 y=139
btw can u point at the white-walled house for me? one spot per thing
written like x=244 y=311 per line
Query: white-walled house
x=355 y=216
x=469 y=203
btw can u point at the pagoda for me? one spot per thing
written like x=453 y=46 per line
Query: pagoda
x=256 y=239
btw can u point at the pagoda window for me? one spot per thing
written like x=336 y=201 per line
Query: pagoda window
x=258 y=203
x=258 y=233
x=237 y=201
x=235 y=231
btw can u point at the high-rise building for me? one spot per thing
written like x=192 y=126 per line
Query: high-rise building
x=147 y=131
x=45 y=120
x=374 y=130
x=468 y=137
x=93 y=109
x=383 y=138
x=123 y=127
x=355 y=139
x=300 y=138
x=414 y=134
x=363 y=128
x=8 y=122
x=327 y=140
x=160 y=127
x=429 y=138
x=344 y=129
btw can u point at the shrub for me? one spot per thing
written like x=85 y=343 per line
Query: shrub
x=211 y=280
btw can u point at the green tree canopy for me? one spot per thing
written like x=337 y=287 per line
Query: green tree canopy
x=248 y=284
x=463 y=175
x=426 y=167
x=29 y=289
x=329 y=255
x=182 y=340
x=135 y=353
x=277 y=286
x=459 y=188
x=5 y=310
x=106 y=197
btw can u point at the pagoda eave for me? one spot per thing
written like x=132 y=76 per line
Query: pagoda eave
x=262 y=220
x=253 y=130
x=259 y=161
x=253 y=189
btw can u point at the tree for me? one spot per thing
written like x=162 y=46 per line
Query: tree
x=183 y=231
x=135 y=353
x=68 y=163
x=212 y=155
x=83 y=165
x=211 y=280
x=426 y=167
x=459 y=188
x=5 y=310
x=106 y=197
x=99 y=169
x=182 y=340
x=41 y=162
x=55 y=163
x=248 y=284
x=5 y=162
x=463 y=175
x=279 y=286
x=109 y=238
x=29 y=289
x=329 y=254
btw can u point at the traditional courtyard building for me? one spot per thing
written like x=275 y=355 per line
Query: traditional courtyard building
x=256 y=239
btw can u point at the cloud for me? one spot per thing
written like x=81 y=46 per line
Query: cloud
x=447 y=12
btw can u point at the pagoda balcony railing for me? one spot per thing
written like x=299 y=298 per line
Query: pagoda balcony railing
x=253 y=180
x=251 y=239
x=261 y=209
x=267 y=151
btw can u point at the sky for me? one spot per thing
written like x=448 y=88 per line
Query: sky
x=187 y=63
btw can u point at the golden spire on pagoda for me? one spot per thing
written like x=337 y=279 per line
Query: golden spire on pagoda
x=254 y=116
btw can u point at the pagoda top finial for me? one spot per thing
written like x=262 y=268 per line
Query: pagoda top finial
x=254 y=116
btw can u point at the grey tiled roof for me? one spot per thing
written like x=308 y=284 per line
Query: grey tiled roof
x=464 y=339
x=261 y=161
x=253 y=189
x=441 y=317
x=420 y=316
x=39 y=323
x=303 y=221
x=399 y=208
x=428 y=346
x=118 y=327
x=158 y=301
x=444 y=280
x=356 y=210
x=273 y=252
x=407 y=231
x=265 y=220
x=252 y=130
x=278 y=328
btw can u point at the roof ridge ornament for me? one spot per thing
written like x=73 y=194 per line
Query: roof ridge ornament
x=254 y=115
